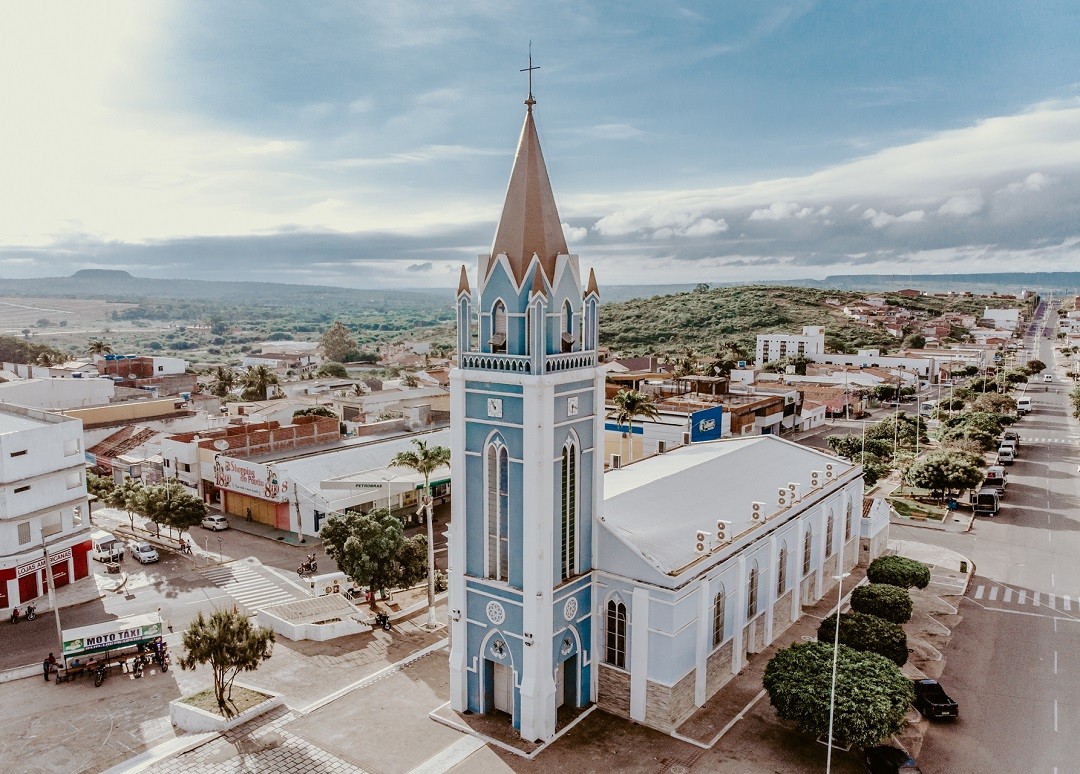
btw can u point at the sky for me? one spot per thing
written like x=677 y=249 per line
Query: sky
x=369 y=144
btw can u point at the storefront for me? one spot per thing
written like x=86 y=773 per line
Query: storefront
x=24 y=577
x=252 y=491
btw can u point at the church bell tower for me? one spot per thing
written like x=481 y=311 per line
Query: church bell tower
x=527 y=446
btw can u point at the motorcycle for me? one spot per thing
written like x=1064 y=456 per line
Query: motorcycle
x=383 y=620
x=31 y=612
x=100 y=672
x=309 y=566
x=15 y=615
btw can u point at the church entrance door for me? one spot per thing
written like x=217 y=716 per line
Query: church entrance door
x=503 y=695
x=560 y=684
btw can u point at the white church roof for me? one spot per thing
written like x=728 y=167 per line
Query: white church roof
x=656 y=505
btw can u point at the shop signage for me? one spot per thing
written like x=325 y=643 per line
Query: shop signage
x=706 y=425
x=249 y=478
x=39 y=564
x=111 y=639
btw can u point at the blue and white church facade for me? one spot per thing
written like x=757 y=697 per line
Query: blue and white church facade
x=647 y=597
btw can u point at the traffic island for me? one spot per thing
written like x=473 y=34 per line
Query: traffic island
x=199 y=713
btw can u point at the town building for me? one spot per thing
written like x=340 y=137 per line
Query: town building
x=774 y=346
x=642 y=590
x=44 y=520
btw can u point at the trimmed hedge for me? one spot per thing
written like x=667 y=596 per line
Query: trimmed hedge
x=899 y=571
x=883 y=600
x=869 y=633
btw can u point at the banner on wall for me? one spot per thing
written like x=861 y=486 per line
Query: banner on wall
x=707 y=424
x=249 y=478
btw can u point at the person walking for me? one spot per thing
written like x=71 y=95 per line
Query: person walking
x=164 y=621
x=48 y=665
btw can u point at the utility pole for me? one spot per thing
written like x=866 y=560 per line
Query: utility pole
x=52 y=598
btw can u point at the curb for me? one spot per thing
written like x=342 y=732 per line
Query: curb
x=158 y=753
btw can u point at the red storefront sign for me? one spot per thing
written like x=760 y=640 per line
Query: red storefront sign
x=39 y=564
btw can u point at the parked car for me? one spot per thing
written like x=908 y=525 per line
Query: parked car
x=1005 y=456
x=997 y=478
x=145 y=553
x=1011 y=435
x=932 y=701
x=1048 y=377
x=890 y=760
x=215 y=522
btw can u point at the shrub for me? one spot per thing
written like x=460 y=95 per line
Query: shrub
x=899 y=571
x=883 y=600
x=869 y=633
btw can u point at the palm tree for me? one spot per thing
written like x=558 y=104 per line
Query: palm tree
x=99 y=348
x=630 y=404
x=45 y=360
x=224 y=379
x=425 y=461
x=257 y=382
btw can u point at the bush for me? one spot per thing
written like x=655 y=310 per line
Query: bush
x=869 y=633
x=899 y=571
x=891 y=603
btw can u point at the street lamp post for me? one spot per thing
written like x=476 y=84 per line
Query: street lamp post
x=388 y=479
x=835 y=654
x=52 y=595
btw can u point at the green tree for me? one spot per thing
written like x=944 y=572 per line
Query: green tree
x=883 y=600
x=899 y=571
x=871 y=699
x=915 y=341
x=315 y=411
x=372 y=548
x=853 y=447
x=409 y=380
x=337 y=344
x=99 y=486
x=224 y=379
x=869 y=633
x=1074 y=398
x=229 y=643
x=1035 y=366
x=170 y=504
x=629 y=405
x=336 y=370
x=127 y=497
x=257 y=383
x=992 y=403
x=99 y=348
x=942 y=472
x=425 y=460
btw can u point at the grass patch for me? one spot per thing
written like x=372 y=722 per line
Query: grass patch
x=914 y=509
x=243 y=699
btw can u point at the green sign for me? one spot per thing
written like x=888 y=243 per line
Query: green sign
x=108 y=639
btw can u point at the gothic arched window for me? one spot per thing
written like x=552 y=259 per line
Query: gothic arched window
x=781 y=572
x=829 y=529
x=615 y=653
x=808 y=543
x=752 y=593
x=567 y=327
x=847 y=522
x=568 y=502
x=498 y=506
x=498 y=327
x=718 y=617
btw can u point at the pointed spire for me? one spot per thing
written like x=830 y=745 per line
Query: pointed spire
x=530 y=221
x=591 y=288
x=463 y=282
x=538 y=282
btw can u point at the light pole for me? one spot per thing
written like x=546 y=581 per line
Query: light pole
x=388 y=479
x=835 y=654
x=52 y=596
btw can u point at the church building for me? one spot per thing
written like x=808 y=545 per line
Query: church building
x=644 y=589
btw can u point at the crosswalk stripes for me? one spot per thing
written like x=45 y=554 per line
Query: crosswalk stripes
x=992 y=593
x=1028 y=439
x=248 y=587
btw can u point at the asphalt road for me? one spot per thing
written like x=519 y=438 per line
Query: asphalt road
x=1013 y=663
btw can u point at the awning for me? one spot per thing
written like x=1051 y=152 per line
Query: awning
x=111 y=635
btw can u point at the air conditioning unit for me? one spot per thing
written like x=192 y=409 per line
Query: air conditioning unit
x=757 y=511
x=830 y=471
x=723 y=532
x=701 y=542
x=783 y=498
x=794 y=489
x=616 y=461
x=817 y=478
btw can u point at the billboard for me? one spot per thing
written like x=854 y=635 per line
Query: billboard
x=707 y=424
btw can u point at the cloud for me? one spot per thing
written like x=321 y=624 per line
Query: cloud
x=574 y=234
x=781 y=211
x=424 y=267
x=706 y=227
x=1036 y=181
x=963 y=204
x=882 y=219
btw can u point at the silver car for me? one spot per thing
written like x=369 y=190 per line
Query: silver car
x=215 y=522
x=145 y=553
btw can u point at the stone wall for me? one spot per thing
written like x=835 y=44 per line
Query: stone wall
x=806 y=590
x=667 y=706
x=781 y=615
x=718 y=668
x=613 y=690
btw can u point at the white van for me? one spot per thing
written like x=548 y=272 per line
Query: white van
x=1023 y=406
x=105 y=547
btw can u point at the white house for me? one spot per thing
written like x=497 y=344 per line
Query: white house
x=773 y=346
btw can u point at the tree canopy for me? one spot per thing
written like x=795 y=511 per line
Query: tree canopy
x=337 y=343
x=372 y=549
x=871 y=699
x=315 y=411
x=229 y=643
x=941 y=472
x=331 y=368
x=899 y=571
x=869 y=633
x=883 y=600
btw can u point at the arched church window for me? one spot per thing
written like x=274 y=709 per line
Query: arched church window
x=829 y=529
x=498 y=327
x=847 y=521
x=808 y=542
x=568 y=500
x=616 y=634
x=498 y=506
x=752 y=593
x=781 y=572
x=567 y=327
x=718 y=618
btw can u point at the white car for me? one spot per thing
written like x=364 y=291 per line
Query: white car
x=1048 y=377
x=215 y=522
x=145 y=553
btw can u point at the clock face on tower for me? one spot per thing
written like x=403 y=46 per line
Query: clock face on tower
x=572 y=406
x=494 y=408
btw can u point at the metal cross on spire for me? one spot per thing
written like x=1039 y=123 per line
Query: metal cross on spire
x=530 y=101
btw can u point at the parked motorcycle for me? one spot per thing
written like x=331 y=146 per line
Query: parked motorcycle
x=16 y=614
x=100 y=673
x=383 y=620
x=31 y=612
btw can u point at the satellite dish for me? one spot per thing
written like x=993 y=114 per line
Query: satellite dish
x=221 y=444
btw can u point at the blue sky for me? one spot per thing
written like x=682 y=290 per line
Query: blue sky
x=369 y=144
